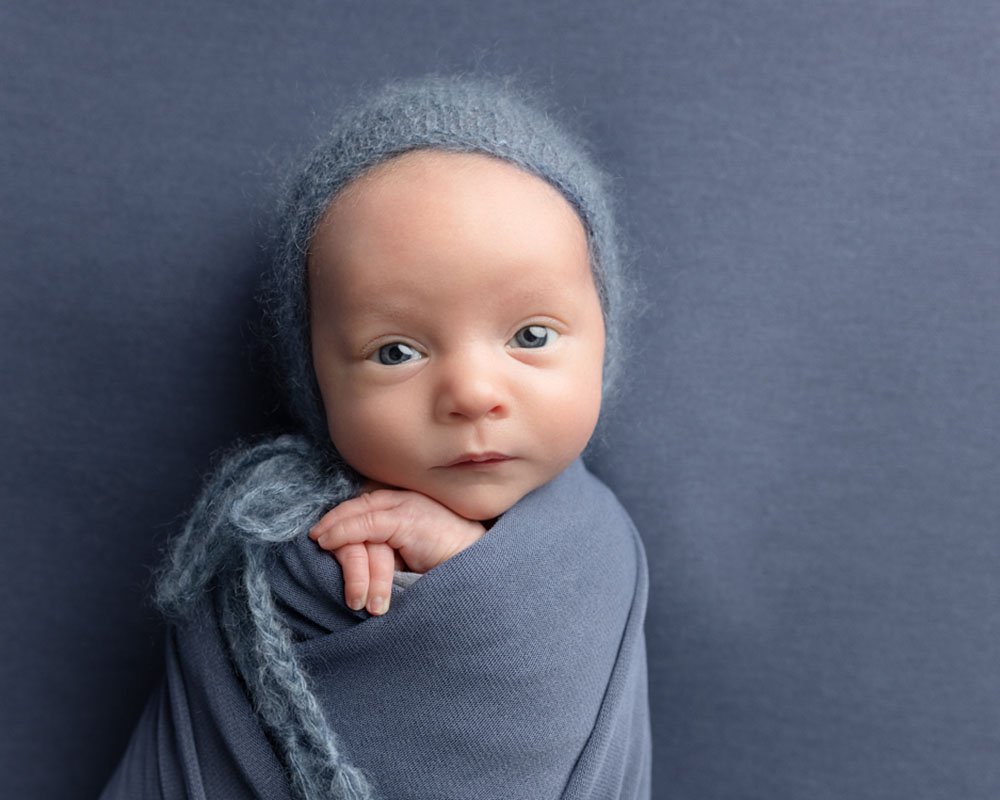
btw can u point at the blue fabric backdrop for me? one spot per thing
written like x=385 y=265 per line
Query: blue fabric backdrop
x=811 y=441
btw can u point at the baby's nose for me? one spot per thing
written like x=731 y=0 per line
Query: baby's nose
x=470 y=388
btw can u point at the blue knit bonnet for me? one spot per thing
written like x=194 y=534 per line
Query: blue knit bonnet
x=459 y=114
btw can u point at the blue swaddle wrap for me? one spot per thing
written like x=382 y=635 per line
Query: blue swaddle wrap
x=516 y=669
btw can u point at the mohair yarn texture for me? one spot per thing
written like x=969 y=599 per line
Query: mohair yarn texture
x=262 y=496
x=515 y=670
x=476 y=115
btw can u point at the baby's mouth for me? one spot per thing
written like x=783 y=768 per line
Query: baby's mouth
x=479 y=460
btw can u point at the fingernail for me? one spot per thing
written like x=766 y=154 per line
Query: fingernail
x=378 y=606
x=356 y=603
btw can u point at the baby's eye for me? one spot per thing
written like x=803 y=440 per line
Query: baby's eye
x=396 y=353
x=533 y=336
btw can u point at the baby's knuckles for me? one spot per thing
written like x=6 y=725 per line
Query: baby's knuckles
x=424 y=532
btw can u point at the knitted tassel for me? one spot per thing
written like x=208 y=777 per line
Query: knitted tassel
x=263 y=496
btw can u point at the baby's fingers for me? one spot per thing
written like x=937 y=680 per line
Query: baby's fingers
x=362 y=505
x=354 y=562
x=371 y=525
x=381 y=565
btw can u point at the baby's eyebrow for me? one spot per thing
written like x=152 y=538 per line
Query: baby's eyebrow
x=381 y=309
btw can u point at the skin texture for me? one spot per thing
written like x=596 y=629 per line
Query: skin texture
x=471 y=278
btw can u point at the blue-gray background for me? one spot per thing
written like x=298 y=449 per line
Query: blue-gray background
x=810 y=441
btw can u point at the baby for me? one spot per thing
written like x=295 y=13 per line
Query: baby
x=445 y=301
x=458 y=343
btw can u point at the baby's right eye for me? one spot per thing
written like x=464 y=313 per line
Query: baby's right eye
x=396 y=353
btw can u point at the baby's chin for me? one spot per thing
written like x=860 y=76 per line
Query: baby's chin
x=486 y=513
x=483 y=504
x=478 y=509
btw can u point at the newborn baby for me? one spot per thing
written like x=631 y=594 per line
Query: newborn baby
x=445 y=303
x=458 y=343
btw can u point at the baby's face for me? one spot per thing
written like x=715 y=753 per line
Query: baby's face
x=457 y=336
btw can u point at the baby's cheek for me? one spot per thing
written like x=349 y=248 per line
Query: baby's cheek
x=575 y=415
x=378 y=449
x=350 y=435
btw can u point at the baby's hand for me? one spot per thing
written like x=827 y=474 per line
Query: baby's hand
x=371 y=534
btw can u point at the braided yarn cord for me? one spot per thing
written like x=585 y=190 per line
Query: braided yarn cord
x=260 y=497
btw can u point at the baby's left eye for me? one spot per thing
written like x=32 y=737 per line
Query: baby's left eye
x=533 y=336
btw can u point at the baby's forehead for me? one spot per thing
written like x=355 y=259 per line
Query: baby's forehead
x=433 y=227
x=433 y=189
x=428 y=172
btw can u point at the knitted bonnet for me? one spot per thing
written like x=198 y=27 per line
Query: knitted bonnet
x=460 y=114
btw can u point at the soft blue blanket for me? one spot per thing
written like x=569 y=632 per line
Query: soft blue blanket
x=516 y=669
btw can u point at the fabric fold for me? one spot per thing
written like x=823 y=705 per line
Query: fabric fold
x=514 y=670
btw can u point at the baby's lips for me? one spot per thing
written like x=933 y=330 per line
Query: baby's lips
x=478 y=458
